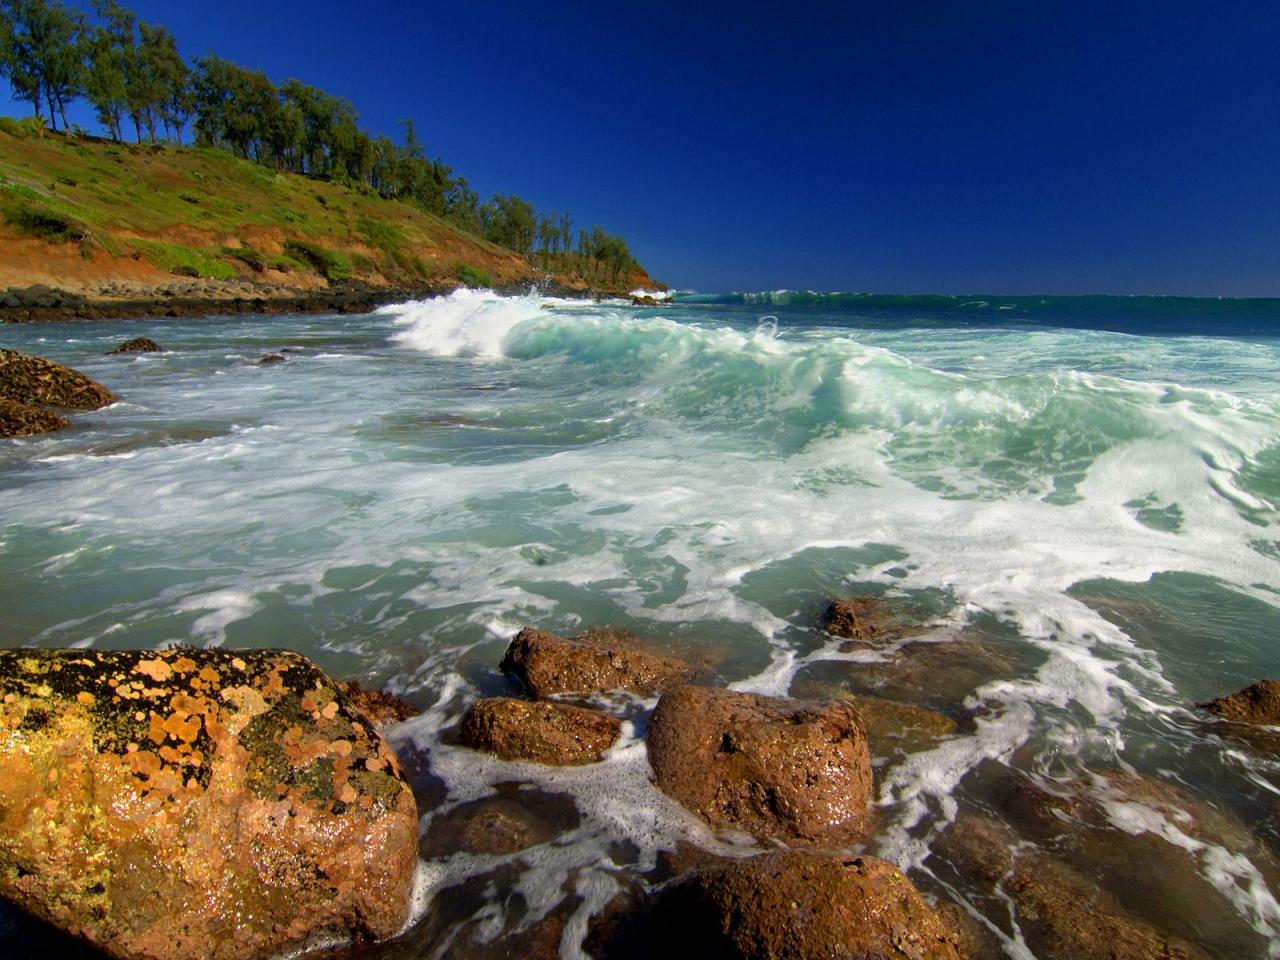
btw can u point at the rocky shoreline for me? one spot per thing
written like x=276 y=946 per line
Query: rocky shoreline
x=128 y=777
x=210 y=298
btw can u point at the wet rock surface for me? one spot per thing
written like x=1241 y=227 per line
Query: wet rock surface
x=511 y=820
x=23 y=420
x=138 y=345
x=801 y=906
x=383 y=709
x=865 y=621
x=1256 y=704
x=40 y=382
x=770 y=766
x=557 y=734
x=591 y=663
x=196 y=803
x=1061 y=912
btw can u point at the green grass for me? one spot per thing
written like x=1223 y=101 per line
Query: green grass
x=176 y=256
x=203 y=209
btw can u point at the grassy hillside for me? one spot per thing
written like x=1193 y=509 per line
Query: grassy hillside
x=75 y=213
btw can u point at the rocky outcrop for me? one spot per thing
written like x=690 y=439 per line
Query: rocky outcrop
x=593 y=662
x=1257 y=704
x=197 y=804
x=557 y=734
x=23 y=420
x=138 y=345
x=40 y=382
x=801 y=906
x=772 y=767
x=382 y=708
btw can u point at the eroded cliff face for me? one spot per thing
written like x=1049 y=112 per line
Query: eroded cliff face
x=197 y=803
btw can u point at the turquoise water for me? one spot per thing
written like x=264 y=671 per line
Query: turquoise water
x=1091 y=483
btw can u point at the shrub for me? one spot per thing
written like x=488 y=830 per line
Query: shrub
x=473 y=276
x=249 y=256
x=330 y=264
x=173 y=257
x=38 y=220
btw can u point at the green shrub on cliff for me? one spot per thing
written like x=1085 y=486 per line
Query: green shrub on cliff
x=472 y=277
x=178 y=257
x=333 y=265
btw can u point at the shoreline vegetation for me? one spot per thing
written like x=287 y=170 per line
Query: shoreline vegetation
x=237 y=194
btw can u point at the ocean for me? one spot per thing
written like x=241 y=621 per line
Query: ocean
x=1076 y=501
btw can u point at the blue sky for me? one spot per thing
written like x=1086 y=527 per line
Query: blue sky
x=888 y=147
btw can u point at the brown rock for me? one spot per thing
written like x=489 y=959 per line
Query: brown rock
x=271 y=358
x=893 y=726
x=1259 y=704
x=41 y=382
x=864 y=620
x=382 y=708
x=1061 y=913
x=801 y=906
x=197 y=803
x=22 y=420
x=509 y=821
x=772 y=767
x=594 y=662
x=553 y=733
x=138 y=345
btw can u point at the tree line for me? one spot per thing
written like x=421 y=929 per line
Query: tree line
x=138 y=83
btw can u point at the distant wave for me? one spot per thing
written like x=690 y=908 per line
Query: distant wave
x=1210 y=316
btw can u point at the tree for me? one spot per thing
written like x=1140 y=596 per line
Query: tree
x=45 y=54
x=110 y=49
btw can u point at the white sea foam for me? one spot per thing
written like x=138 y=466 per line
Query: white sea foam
x=467 y=323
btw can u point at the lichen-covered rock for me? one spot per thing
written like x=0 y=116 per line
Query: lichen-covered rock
x=594 y=662
x=197 y=803
x=1061 y=913
x=23 y=420
x=773 y=767
x=1258 y=704
x=557 y=734
x=383 y=708
x=800 y=905
x=41 y=382
x=138 y=345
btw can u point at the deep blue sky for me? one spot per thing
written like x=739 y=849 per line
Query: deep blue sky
x=890 y=147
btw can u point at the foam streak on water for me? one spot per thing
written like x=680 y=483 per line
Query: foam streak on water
x=1098 y=500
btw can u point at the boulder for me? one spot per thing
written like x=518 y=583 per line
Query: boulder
x=383 y=709
x=41 y=382
x=1257 y=704
x=138 y=345
x=800 y=905
x=773 y=767
x=557 y=734
x=591 y=663
x=864 y=620
x=197 y=803
x=271 y=358
x=23 y=420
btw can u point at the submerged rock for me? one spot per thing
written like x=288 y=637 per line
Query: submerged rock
x=510 y=820
x=271 y=358
x=800 y=906
x=864 y=620
x=41 y=382
x=557 y=734
x=773 y=767
x=23 y=420
x=1256 y=704
x=594 y=662
x=382 y=708
x=138 y=345
x=197 y=803
x=1061 y=913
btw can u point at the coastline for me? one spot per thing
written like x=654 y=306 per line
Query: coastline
x=210 y=298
